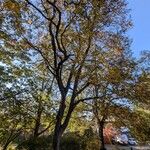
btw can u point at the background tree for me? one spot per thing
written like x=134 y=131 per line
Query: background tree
x=113 y=87
x=139 y=119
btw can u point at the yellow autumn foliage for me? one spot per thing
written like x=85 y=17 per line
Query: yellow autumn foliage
x=12 y=5
x=114 y=75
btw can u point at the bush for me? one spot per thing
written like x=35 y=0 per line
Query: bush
x=71 y=141
x=42 y=143
x=90 y=141
x=74 y=141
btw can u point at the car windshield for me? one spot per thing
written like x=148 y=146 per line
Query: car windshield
x=131 y=139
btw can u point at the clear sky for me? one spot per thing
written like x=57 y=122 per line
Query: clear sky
x=140 y=33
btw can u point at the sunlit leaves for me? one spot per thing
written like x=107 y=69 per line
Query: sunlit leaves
x=12 y=5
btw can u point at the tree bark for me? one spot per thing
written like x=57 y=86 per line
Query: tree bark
x=5 y=146
x=60 y=127
x=101 y=135
x=56 y=139
x=35 y=135
x=38 y=121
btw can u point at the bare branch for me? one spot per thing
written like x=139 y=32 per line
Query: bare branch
x=70 y=77
x=80 y=68
x=86 y=99
x=46 y=128
x=49 y=67
x=40 y=12
x=83 y=88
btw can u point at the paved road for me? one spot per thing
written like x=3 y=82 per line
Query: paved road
x=115 y=147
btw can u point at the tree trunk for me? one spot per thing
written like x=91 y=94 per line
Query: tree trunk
x=37 y=123
x=101 y=135
x=5 y=146
x=56 y=140
x=60 y=127
x=33 y=140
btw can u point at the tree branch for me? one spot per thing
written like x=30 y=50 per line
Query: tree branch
x=40 y=12
x=45 y=128
x=86 y=99
x=49 y=67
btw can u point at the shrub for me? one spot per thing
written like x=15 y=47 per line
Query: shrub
x=41 y=143
x=90 y=140
x=71 y=141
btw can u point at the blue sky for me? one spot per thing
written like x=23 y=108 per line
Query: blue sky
x=140 y=33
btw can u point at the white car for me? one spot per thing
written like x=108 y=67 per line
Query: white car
x=123 y=139
x=120 y=139
x=132 y=141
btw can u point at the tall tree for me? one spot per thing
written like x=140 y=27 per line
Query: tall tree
x=65 y=34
